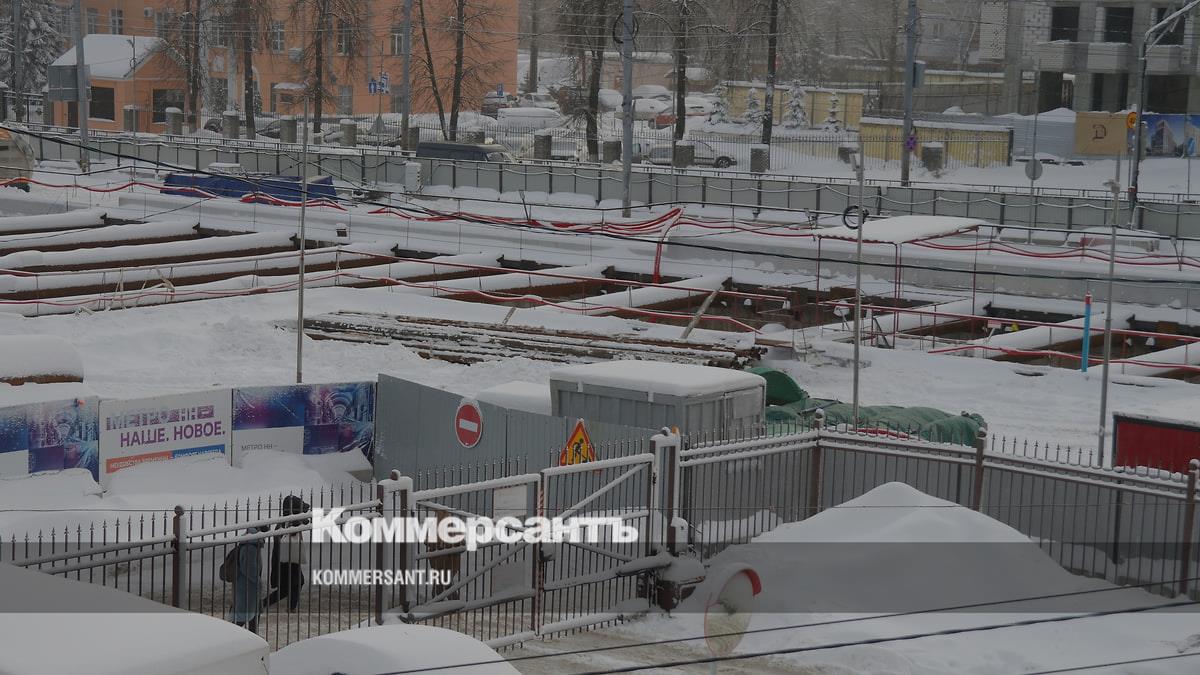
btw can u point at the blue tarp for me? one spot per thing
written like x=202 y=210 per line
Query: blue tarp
x=280 y=187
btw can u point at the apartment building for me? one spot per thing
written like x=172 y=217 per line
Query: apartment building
x=1084 y=55
x=355 y=62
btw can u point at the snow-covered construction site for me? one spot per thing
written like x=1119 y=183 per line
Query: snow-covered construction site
x=928 y=441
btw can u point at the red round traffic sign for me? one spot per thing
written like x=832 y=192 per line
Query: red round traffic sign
x=468 y=424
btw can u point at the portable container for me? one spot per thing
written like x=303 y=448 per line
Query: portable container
x=654 y=394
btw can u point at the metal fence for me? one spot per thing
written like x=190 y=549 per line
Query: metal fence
x=1126 y=526
x=1170 y=214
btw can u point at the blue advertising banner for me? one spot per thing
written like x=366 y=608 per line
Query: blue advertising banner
x=310 y=419
x=1169 y=135
x=50 y=436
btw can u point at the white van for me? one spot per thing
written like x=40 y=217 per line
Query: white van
x=527 y=119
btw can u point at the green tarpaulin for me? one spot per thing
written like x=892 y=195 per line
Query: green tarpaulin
x=789 y=406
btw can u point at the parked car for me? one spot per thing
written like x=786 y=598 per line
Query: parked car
x=493 y=101
x=537 y=100
x=471 y=152
x=706 y=155
x=694 y=105
x=648 y=108
x=527 y=119
x=654 y=91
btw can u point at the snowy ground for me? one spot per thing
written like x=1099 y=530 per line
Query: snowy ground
x=801 y=565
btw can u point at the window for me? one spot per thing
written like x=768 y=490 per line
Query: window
x=116 y=21
x=277 y=36
x=1118 y=24
x=163 y=22
x=103 y=105
x=1174 y=36
x=93 y=21
x=163 y=99
x=344 y=37
x=1064 y=23
x=345 y=100
x=397 y=40
x=223 y=32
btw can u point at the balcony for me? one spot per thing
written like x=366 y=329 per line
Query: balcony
x=1109 y=57
x=1166 y=60
x=1059 y=56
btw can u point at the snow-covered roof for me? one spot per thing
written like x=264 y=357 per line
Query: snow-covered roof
x=112 y=631
x=111 y=57
x=904 y=229
x=388 y=648
x=528 y=396
x=658 y=377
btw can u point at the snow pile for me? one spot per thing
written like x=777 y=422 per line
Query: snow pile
x=38 y=358
x=387 y=649
x=901 y=229
x=112 y=632
x=897 y=549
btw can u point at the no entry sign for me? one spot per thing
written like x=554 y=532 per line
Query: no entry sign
x=468 y=424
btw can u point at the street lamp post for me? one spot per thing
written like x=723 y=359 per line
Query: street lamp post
x=300 y=278
x=858 y=262
x=1153 y=35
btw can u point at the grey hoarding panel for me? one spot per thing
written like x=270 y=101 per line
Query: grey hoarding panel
x=415 y=432
x=536 y=180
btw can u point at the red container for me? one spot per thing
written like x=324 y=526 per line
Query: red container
x=1139 y=440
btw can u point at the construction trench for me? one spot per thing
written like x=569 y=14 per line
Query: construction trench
x=90 y=262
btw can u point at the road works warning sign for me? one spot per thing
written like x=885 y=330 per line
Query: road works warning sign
x=579 y=448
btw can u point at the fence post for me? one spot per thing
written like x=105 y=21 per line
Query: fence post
x=665 y=446
x=815 y=467
x=179 y=558
x=1189 y=523
x=381 y=490
x=977 y=490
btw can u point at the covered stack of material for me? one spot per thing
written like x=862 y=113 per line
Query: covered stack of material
x=789 y=406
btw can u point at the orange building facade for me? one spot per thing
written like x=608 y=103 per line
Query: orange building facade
x=353 y=58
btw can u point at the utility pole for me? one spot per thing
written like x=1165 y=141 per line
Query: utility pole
x=406 y=74
x=535 y=29
x=910 y=66
x=860 y=171
x=1151 y=38
x=18 y=74
x=300 y=278
x=769 y=96
x=81 y=88
x=626 y=104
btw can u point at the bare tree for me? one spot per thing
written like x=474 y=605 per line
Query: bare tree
x=342 y=22
x=586 y=27
x=430 y=68
x=182 y=40
x=470 y=27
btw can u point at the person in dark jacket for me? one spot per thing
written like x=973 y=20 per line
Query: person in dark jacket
x=288 y=558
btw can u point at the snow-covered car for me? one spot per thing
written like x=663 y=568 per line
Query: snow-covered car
x=53 y=624
x=654 y=91
x=389 y=648
x=527 y=119
x=694 y=107
x=537 y=100
x=706 y=155
x=647 y=108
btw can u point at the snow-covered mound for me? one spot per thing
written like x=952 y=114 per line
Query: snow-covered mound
x=38 y=358
x=895 y=513
x=387 y=649
x=934 y=554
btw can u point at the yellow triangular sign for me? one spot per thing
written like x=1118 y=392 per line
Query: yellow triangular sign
x=579 y=448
